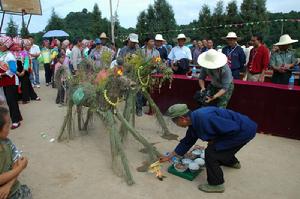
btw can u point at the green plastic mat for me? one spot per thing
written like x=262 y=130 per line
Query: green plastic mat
x=186 y=175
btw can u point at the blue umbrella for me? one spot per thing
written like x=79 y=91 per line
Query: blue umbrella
x=56 y=33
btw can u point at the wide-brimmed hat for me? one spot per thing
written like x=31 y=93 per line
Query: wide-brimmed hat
x=177 y=110
x=212 y=59
x=103 y=36
x=182 y=36
x=133 y=37
x=159 y=37
x=285 y=40
x=231 y=35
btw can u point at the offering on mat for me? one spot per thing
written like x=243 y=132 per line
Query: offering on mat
x=200 y=162
x=191 y=156
x=186 y=161
x=194 y=167
x=180 y=167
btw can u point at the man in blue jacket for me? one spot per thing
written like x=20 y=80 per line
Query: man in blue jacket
x=225 y=131
x=236 y=57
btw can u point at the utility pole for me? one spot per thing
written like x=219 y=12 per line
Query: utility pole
x=282 y=25
x=112 y=23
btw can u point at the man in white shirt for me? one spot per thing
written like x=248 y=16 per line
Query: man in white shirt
x=34 y=54
x=76 y=54
x=180 y=56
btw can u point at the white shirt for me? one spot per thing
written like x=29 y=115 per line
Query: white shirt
x=247 y=53
x=35 y=49
x=178 y=53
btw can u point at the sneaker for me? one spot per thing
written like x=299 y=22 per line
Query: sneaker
x=212 y=188
x=33 y=85
x=47 y=84
x=15 y=125
x=236 y=165
x=38 y=86
x=139 y=113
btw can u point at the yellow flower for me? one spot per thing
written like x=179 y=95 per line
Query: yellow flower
x=158 y=59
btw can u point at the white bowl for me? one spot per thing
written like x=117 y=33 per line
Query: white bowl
x=181 y=169
x=186 y=161
x=200 y=162
x=197 y=152
x=194 y=167
x=202 y=155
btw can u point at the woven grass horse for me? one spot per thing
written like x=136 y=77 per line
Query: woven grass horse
x=105 y=105
x=139 y=69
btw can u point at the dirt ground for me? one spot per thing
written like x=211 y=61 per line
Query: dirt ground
x=81 y=168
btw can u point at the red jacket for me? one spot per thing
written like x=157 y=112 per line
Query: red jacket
x=259 y=59
x=6 y=80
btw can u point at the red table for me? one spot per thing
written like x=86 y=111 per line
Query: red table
x=274 y=107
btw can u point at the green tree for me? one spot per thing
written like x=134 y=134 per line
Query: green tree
x=165 y=19
x=218 y=19
x=24 y=31
x=142 y=25
x=232 y=13
x=55 y=22
x=204 y=21
x=12 y=28
x=157 y=19
x=97 y=26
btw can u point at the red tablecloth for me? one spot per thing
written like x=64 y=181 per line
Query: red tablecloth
x=274 y=107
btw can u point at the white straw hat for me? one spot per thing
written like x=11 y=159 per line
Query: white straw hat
x=103 y=36
x=133 y=37
x=159 y=37
x=181 y=36
x=231 y=35
x=285 y=40
x=212 y=59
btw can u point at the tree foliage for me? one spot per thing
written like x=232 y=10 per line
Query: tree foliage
x=12 y=28
x=158 y=18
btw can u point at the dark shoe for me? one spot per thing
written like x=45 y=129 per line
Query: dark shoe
x=236 y=165
x=38 y=99
x=15 y=125
x=212 y=188
x=25 y=102
x=139 y=113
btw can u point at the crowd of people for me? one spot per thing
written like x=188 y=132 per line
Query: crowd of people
x=20 y=61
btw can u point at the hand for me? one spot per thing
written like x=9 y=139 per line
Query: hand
x=175 y=68
x=281 y=70
x=261 y=78
x=164 y=159
x=202 y=90
x=22 y=73
x=4 y=191
x=286 y=67
x=22 y=163
x=209 y=99
x=199 y=147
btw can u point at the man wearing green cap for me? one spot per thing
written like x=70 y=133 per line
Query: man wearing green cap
x=225 y=131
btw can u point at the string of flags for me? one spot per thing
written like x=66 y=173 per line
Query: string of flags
x=236 y=25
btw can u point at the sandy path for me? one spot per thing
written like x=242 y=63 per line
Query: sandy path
x=81 y=168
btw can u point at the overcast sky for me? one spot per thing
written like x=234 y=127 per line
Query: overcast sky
x=128 y=10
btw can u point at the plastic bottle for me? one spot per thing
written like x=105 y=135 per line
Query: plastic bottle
x=291 y=82
x=194 y=71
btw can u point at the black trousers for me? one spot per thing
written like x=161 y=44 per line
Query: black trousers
x=28 y=92
x=214 y=159
x=48 y=73
x=281 y=78
x=11 y=94
x=60 y=97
